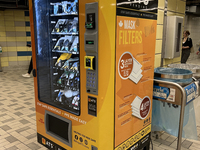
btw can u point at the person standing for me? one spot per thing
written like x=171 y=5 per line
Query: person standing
x=186 y=45
x=30 y=68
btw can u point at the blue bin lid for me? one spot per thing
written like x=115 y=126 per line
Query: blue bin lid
x=172 y=73
x=182 y=82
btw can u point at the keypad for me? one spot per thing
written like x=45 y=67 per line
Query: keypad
x=91 y=79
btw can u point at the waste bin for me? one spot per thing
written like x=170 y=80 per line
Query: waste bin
x=177 y=75
x=166 y=113
x=194 y=68
x=196 y=74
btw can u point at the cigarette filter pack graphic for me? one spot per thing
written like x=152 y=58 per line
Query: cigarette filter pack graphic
x=129 y=68
x=141 y=107
x=136 y=75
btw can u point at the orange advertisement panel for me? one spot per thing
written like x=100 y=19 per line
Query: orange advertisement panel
x=135 y=51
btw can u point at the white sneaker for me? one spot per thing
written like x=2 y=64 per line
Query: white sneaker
x=26 y=75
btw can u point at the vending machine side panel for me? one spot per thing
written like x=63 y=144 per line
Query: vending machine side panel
x=92 y=126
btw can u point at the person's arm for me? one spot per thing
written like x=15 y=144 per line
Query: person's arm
x=185 y=47
x=190 y=43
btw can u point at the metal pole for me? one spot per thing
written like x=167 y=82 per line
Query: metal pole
x=183 y=103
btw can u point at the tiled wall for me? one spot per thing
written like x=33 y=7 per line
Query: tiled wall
x=192 y=23
x=14 y=36
x=174 y=8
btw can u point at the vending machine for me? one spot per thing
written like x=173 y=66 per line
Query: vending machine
x=93 y=72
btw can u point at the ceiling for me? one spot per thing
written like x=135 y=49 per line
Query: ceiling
x=23 y=4
x=13 y=4
x=192 y=2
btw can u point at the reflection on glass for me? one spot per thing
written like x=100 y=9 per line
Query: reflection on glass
x=57 y=39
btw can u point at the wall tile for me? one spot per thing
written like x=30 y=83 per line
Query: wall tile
x=27 y=19
x=29 y=57
x=169 y=13
x=22 y=58
x=4 y=64
x=28 y=29
x=9 y=18
x=19 y=23
x=1 y=18
x=12 y=58
x=10 y=34
x=2 y=34
x=11 y=49
x=4 y=49
x=20 y=34
x=167 y=61
x=157 y=61
x=158 y=46
x=29 y=48
x=181 y=6
x=10 y=54
x=19 y=18
x=172 y=5
x=20 y=29
x=3 y=43
x=2 y=29
x=28 y=38
x=10 y=38
x=2 y=38
x=13 y=63
x=160 y=17
x=159 y=32
x=11 y=44
x=161 y=4
x=20 y=38
x=27 y=24
x=14 y=34
x=28 y=42
x=9 y=23
x=24 y=53
x=28 y=33
x=22 y=48
x=10 y=28
x=2 y=23
x=26 y=13
x=20 y=44
x=8 y=12
x=4 y=54
x=4 y=59
x=18 y=13
x=1 y=13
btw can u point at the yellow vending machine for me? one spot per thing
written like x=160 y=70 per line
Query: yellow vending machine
x=93 y=72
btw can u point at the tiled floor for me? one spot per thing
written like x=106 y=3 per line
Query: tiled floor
x=17 y=112
x=17 y=117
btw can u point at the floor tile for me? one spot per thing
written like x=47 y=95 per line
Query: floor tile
x=24 y=121
x=17 y=117
x=5 y=127
x=186 y=144
x=11 y=139
x=33 y=146
x=12 y=148
x=22 y=129
x=18 y=113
